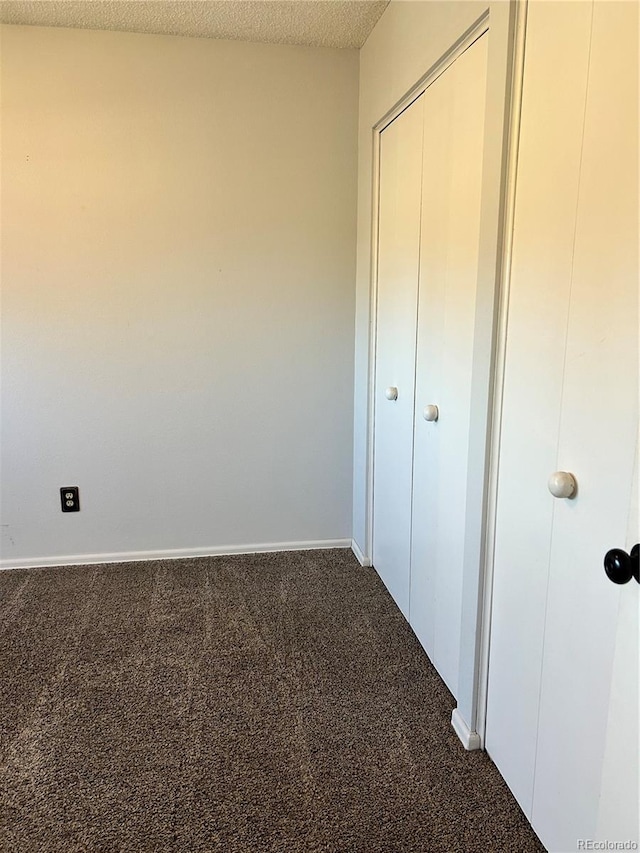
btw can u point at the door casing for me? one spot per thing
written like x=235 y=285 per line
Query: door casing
x=505 y=24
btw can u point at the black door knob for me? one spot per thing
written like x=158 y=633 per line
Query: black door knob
x=620 y=567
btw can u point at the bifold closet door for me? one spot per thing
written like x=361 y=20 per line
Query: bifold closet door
x=398 y=261
x=563 y=669
x=454 y=110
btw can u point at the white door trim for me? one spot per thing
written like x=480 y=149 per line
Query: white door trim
x=465 y=41
x=479 y=28
x=515 y=109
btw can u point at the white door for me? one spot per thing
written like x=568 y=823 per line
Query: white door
x=620 y=789
x=398 y=262
x=454 y=110
x=570 y=404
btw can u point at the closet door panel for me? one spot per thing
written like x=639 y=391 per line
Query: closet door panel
x=619 y=804
x=600 y=364
x=454 y=112
x=555 y=80
x=398 y=262
x=433 y=262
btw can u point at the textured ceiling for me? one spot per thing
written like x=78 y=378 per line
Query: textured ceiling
x=320 y=23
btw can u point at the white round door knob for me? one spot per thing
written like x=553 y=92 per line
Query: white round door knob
x=562 y=484
x=391 y=393
x=430 y=413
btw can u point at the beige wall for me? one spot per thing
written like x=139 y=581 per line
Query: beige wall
x=178 y=258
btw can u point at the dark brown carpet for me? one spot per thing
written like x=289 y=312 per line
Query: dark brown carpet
x=275 y=702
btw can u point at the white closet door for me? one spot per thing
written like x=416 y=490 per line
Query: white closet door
x=600 y=364
x=556 y=64
x=398 y=261
x=570 y=403
x=454 y=109
x=620 y=785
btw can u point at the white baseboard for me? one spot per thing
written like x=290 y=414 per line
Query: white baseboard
x=360 y=557
x=470 y=740
x=173 y=554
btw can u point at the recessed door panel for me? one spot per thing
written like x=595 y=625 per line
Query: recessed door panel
x=398 y=263
x=454 y=110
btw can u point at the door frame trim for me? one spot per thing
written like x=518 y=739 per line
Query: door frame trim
x=479 y=714
x=471 y=35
